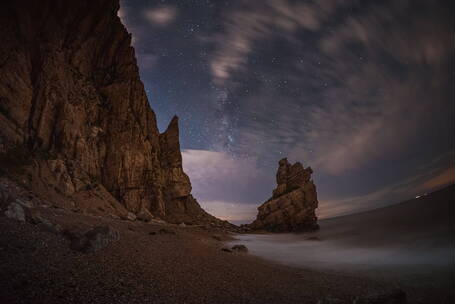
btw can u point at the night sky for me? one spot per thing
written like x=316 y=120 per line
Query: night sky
x=361 y=91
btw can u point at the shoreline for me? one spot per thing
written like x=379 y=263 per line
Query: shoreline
x=158 y=262
x=185 y=265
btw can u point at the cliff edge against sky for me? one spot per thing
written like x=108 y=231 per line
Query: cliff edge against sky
x=73 y=108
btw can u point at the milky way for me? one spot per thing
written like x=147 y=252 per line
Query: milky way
x=361 y=91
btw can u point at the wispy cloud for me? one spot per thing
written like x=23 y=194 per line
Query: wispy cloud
x=153 y=19
x=253 y=21
x=358 y=109
x=162 y=15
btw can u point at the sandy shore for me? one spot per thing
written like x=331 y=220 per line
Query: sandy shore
x=144 y=266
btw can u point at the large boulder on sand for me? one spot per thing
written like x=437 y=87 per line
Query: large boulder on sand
x=15 y=211
x=93 y=240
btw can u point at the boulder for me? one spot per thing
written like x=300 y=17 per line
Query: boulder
x=239 y=248
x=43 y=223
x=15 y=211
x=217 y=237
x=48 y=226
x=158 y=222
x=396 y=296
x=166 y=231
x=131 y=216
x=144 y=215
x=93 y=240
x=313 y=238
x=24 y=203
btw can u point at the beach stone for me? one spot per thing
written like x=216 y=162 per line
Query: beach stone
x=131 y=216
x=5 y=195
x=26 y=204
x=43 y=223
x=217 y=237
x=93 y=240
x=48 y=226
x=240 y=248
x=144 y=215
x=245 y=228
x=166 y=231
x=158 y=222
x=330 y=300
x=34 y=218
x=396 y=296
x=15 y=211
x=313 y=238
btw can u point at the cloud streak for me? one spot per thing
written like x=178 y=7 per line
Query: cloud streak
x=365 y=110
x=161 y=16
x=253 y=21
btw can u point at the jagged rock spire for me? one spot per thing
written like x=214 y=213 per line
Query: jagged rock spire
x=293 y=203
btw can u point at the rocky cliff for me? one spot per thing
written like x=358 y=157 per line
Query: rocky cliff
x=293 y=203
x=74 y=114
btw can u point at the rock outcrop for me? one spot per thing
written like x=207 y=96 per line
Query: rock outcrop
x=72 y=102
x=293 y=203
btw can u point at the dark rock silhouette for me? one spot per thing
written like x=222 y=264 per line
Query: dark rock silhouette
x=239 y=248
x=293 y=203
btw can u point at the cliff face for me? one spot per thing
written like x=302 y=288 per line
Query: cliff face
x=70 y=94
x=293 y=203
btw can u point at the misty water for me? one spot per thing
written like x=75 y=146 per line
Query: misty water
x=417 y=265
x=305 y=250
x=411 y=244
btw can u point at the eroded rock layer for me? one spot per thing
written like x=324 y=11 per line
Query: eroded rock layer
x=293 y=203
x=71 y=97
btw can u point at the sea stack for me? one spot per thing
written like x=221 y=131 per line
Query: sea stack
x=293 y=202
